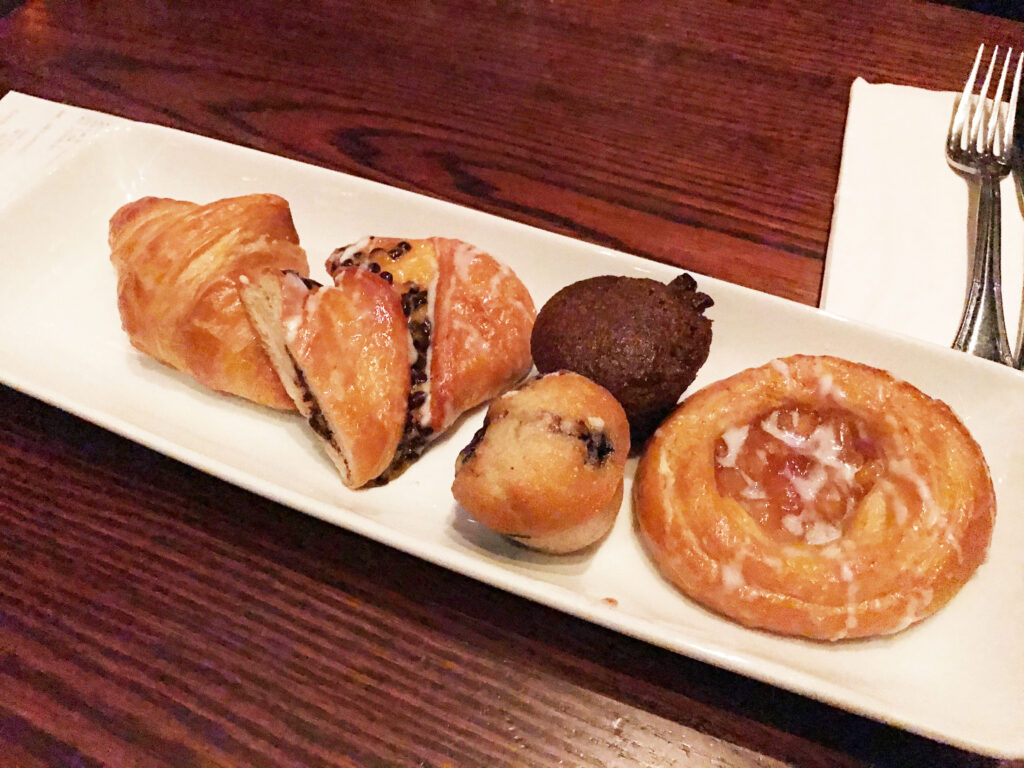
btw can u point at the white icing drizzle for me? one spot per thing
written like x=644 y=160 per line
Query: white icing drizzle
x=351 y=250
x=781 y=367
x=793 y=524
x=807 y=488
x=312 y=303
x=295 y=320
x=846 y=574
x=828 y=388
x=822 y=445
x=463 y=255
x=832 y=551
x=954 y=543
x=819 y=532
x=812 y=530
x=916 y=608
x=903 y=468
x=666 y=473
x=732 y=576
x=899 y=509
x=496 y=288
x=734 y=438
x=753 y=489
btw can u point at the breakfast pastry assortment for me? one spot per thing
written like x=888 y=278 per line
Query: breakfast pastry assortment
x=811 y=496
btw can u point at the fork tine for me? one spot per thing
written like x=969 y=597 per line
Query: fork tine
x=976 y=148
x=1011 y=118
x=962 y=113
x=976 y=136
x=996 y=118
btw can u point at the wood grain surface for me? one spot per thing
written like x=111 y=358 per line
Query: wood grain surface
x=153 y=616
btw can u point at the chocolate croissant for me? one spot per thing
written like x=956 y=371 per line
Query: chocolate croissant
x=342 y=354
x=378 y=397
x=470 y=319
x=178 y=266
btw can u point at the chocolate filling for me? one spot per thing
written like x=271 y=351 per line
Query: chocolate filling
x=317 y=421
x=399 y=250
x=300 y=378
x=415 y=306
x=413 y=299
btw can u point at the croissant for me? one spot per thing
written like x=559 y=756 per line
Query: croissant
x=816 y=497
x=411 y=335
x=178 y=265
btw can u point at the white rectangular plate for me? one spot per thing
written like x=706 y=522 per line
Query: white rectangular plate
x=958 y=677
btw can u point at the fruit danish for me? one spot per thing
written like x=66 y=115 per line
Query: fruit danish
x=816 y=497
x=178 y=265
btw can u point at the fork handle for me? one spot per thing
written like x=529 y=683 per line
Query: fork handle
x=983 y=328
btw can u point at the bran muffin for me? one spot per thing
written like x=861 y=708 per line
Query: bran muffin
x=640 y=339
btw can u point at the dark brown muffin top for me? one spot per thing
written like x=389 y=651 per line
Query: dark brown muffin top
x=642 y=340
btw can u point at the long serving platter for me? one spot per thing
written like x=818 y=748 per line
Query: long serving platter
x=957 y=677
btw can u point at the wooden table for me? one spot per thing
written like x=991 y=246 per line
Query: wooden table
x=153 y=616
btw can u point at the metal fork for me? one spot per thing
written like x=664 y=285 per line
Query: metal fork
x=979 y=146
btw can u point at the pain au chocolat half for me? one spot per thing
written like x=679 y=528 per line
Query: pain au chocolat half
x=816 y=497
x=412 y=334
x=178 y=265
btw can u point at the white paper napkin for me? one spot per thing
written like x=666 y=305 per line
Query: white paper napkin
x=899 y=251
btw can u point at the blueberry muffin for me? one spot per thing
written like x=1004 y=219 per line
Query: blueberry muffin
x=546 y=468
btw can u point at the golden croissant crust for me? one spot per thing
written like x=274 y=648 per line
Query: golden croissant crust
x=816 y=497
x=178 y=265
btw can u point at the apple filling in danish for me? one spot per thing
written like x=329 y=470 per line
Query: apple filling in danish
x=798 y=472
x=816 y=497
